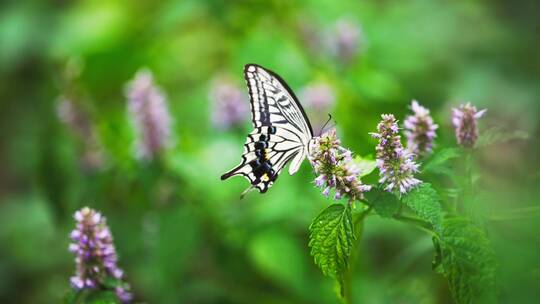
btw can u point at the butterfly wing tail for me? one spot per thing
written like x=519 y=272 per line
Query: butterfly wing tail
x=233 y=172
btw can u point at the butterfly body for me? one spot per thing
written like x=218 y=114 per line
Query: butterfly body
x=282 y=131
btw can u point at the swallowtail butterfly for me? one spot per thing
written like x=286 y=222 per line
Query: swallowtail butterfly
x=282 y=131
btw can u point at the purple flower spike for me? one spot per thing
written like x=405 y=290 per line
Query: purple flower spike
x=419 y=130
x=465 y=121
x=148 y=109
x=95 y=254
x=335 y=168
x=396 y=165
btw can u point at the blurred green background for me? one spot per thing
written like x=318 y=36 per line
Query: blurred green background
x=183 y=235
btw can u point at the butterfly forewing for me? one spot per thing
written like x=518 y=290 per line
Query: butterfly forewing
x=281 y=130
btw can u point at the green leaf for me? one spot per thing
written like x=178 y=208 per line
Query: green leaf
x=366 y=166
x=331 y=239
x=102 y=297
x=424 y=201
x=468 y=261
x=74 y=296
x=438 y=163
x=385 y=203
x=87 y=296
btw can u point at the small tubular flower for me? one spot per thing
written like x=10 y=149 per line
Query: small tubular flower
x=465 y=121
x=95 y=254
x=419 y=130
x=396 y=165
x=148 y=109
x=335 y=168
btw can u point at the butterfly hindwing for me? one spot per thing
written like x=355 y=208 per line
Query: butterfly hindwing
x=281 y=130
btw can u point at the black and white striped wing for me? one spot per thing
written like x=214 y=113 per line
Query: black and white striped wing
x=281 y=130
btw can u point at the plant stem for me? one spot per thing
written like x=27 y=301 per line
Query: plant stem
x=468 y=191
x=347 y=286
x=417 y=222
x=346 y=280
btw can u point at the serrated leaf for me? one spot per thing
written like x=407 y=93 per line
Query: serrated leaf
x=468 y=261
x=424 y=201
x=331 y=239
x=385 y=203
x=364 y=165
x=439 y=162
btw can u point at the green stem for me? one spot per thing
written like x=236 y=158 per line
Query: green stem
x=347 y=287
x=468 y=191
x=346 y=280
x=412 y=220
x=416 y=222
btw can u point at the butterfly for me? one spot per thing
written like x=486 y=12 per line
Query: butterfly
x=282 y=132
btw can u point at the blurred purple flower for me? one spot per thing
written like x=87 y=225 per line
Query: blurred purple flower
x=79 y=123
x=318 y=99
x=148 y=109
x=345 y=40
x=319 y=96
x=229 y=104
x=335 y=168
x=465 y=120
x=95 y=254
x=396 y=165
x=419 y=130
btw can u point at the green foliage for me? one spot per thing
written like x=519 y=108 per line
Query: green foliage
x=366 y=166
x=439 y=162
x=91 y=297
x=182 y=235
x=331 y=239
x=424 y=201
x=468 y=261
x=385 y=203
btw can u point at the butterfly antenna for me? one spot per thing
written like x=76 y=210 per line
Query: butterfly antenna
x=325 y=124
x=247 y=191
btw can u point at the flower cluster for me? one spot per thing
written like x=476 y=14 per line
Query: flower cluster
x=148 y=109
x=79 y=123
x=419 y=130
x=396 y=165
x=464 y=120
x=95 y=254
x=229 y=104
x=335 y=168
